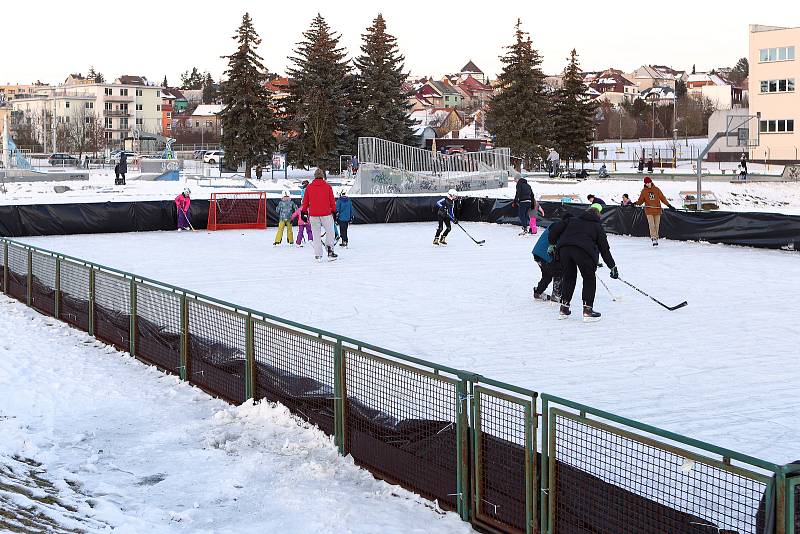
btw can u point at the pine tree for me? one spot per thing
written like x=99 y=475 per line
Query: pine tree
x=247 y=120
x=380 y=98
x=573 y=114
x=210 y=89
x=318 y=109
x=193 y=80
x=518 y=114
x=164 y=83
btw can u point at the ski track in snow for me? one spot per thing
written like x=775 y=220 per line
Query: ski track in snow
x=722 y=369
x=93 y=440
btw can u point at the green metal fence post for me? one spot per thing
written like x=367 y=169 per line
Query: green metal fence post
x=339 y=397
x=249 y=368
x=184 y=338
x=791 y=505
x=57 y=297
x=781 y=503
x=5 y=267
x=477 y=464
x=133 y=318
x=531 y=488
x=462 y=451
x=30 y=277
x=91 y=300
x=544 y=480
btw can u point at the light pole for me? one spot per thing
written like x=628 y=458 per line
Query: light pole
x=674 y=130
x=653 y=98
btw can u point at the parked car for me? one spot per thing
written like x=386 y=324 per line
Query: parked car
x=198 y=154
x=62 y=159
x=213 y=156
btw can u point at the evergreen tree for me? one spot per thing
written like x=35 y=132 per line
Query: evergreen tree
x=379 y=96
x=318 y=110
x=518 y=114
x=95 y=76
x=247 y=120
x=193 y=80
x=210 y=89
x=164 y=83
x=573 y=114
x=740 y=71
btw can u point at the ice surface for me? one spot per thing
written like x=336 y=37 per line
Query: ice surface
x=724 y=369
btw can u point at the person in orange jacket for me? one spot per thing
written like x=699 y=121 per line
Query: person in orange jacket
x=652 y=198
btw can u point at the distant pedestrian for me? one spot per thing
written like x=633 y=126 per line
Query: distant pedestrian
x=86 y=161
x=743 y=161
x=578 y=242
x=354 y=165
x=259 y=172
x=641 y=163
x=117 y=180
x=553 y=163
x=650 y=165
x=602 y=172
x=652 y=198
x=123 y=166
x=595 y=200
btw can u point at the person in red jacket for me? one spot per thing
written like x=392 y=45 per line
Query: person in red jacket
x=320 y=207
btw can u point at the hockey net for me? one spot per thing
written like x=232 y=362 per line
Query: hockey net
x=237 y=211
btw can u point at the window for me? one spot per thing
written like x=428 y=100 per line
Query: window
x=109 y=123
x=123 y=92
x=169 y=126
x=197 y=124
x=777 y=86
x=67 y=119
x=109 y=91
x=123 y=108
x=169 y=114
x=776 y=126
x=108 y=106
x=66 y=104
x=123 y=123
x=158 y=93
x=139 y=122
x=89 y=105
x=107 y=135
x=138 y=107
x=138 y=92
x=88 y=120
x=768 y=55
x=158 y=107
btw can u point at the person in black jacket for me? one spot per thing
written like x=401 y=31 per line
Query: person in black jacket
x=523 y=199
x=578 y=242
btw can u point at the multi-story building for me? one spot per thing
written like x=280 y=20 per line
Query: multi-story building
x=773 y=92
x=9 y=92
x=612 y=86
x=128 y=109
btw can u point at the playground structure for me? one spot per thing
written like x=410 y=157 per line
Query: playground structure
x=388 y=167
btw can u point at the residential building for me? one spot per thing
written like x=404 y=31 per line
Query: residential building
x=472 y=70
x=278 y=87
x=662 y=96
x=475 y=93
x=722 y=93
x=613 y=86
x=9 y=92
x=129 y=111
x=648 y=76
x=444 y=121
x=773 y=92
x=180 y=104
x=167 y=109
x=441 y=93
x=205 y=120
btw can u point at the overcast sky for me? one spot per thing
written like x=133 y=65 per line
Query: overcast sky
x=48 y=39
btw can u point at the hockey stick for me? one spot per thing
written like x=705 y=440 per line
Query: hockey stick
x=613 y=297
x=186 y=216
x=481 y=242
x=670 y=308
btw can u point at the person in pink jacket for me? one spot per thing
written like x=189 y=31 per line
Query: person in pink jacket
x=301 y=225
x=182 y=203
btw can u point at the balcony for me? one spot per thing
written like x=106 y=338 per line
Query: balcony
x=116 y=113
x=118 y=98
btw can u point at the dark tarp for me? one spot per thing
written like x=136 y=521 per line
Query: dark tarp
x=767 y=230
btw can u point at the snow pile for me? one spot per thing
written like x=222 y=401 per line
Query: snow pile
x=94 y=440
x=723 y=369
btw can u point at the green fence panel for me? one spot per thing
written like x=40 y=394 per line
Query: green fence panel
x=402 y=423
x=793 y=505
x=74 y=294
x=216 y=351
x=296 y=369
x=43 y=283
x=606 y=478
x=112 y=304
x=3 y=266
x=158 y=327
x=18 y=272
x=504 y=481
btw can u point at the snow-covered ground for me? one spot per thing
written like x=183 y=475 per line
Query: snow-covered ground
x=724 y=369
x=94 y=441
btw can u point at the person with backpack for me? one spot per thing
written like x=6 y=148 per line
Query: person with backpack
x=578 y=242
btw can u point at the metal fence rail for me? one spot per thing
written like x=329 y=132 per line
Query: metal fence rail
x=464 y=440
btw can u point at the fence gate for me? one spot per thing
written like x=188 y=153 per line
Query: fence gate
x=504 y=461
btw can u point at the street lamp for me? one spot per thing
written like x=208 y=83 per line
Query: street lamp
x=653 y=98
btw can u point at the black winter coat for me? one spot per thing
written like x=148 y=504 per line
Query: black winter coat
x=524 y=191
x=585 y=232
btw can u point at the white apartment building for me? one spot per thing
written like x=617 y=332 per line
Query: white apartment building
x=774 y=75
x=122 y=109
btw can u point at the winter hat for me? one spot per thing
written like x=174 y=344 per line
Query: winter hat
x=187 y=192
x=343 y=193
x=452 y=193
x=647 y=180
x=597 y=207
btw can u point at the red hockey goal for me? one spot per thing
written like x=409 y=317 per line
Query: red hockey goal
x=238 y=211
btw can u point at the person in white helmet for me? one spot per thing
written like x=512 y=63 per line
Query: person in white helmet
x=285 y=209
x=182 y=203
x=445 y=212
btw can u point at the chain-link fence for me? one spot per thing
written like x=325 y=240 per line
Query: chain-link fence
x=472 y=444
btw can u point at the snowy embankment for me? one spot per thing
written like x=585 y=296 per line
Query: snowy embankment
x=724 y=369
x=93 y=440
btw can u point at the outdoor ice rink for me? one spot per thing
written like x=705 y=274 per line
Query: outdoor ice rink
x=724 y=369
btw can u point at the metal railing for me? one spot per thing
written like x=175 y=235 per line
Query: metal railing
x=473 y=444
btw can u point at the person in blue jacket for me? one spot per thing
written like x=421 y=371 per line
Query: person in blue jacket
x=545 y=258
x=344 y=214
x=445 y=212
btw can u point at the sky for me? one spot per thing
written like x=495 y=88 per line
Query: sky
x=156 y=38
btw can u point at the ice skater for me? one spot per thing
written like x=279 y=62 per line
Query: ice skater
x=182 y=203
x=535 y=209
x=549 y=265
x=344 y=210
x=285 y=209
x=445 y=212
x=652 y=198
x=319 y=204
x=523 y=199
x=595 y=200
x=302 y=226
x=577 y=243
